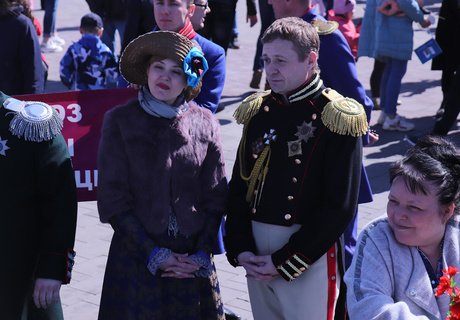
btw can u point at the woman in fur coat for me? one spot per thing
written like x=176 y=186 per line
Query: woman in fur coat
x=162 y=187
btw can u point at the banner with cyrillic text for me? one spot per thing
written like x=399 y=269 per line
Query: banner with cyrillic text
x=83 y=112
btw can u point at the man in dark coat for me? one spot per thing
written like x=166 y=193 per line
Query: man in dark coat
x=139 y=20
x=295 y=183
x=447 y=35
x=113 y=13
x=38 y=210
x=338 y=71
x=21 y=68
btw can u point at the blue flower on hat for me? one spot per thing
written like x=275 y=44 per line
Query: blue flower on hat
x=195 y=66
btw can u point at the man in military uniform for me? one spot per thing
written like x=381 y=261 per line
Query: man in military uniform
x=338 y=71
x=294 y=187
x=38 y=210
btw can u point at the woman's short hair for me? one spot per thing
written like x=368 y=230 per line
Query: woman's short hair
x=433 y=160
x=302 y=34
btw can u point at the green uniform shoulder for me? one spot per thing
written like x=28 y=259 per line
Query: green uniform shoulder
x=343 y=115
x=33 y=120
x=3 y=98
x=325 y=27
x=250 y=106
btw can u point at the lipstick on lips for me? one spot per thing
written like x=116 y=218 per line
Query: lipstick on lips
x=163 y=86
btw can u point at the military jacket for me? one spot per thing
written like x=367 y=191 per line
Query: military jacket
x=338 y=71
x=312 y=179
x=38 y=210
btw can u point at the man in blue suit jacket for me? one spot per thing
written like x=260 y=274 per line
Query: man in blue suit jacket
x=175 y=16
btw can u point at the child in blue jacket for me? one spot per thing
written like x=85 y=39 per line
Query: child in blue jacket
x=89 y=64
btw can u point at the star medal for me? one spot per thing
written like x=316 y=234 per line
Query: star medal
x=305 y=131
x=3 y=147
x=294 y=148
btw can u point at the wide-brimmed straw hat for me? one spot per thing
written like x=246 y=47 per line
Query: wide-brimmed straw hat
x=165 y=44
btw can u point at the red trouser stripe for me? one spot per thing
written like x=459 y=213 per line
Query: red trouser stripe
x=331 y=281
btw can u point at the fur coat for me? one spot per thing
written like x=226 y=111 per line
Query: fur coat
x=151 y=166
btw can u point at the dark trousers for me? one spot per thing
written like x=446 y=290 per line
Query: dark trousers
x=218 y=25
x=53 y=312
x=267 y=17
x=31 y=312
x=376 y=78
x=49 y=19
x=451 y=102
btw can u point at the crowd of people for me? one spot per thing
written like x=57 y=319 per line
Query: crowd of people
x=162 y=176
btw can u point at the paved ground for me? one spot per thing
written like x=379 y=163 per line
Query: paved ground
x=420 y=96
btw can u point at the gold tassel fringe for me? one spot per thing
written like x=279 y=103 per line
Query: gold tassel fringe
x=344 y=116
x=249 y=107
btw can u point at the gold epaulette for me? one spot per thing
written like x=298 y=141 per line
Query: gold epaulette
x=325 y=27
x=343 y=115
x=249 y=107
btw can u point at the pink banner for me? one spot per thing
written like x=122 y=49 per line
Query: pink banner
x=83 y=112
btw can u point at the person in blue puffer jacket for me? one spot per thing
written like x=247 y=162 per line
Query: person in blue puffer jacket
x=387 y=35
x=89 y=64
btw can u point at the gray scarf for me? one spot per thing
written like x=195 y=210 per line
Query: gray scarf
x=158 y=108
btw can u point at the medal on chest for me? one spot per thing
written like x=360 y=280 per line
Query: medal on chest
x=304 y=132
x=259 y=144
x=3 y=147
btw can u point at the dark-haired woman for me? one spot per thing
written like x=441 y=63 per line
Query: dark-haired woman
x=399 y=259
